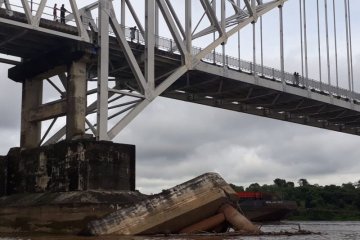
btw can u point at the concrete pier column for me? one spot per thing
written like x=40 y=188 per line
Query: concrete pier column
x=76 y=100
x=32 y=93
x=237 y=220
x=204 y=225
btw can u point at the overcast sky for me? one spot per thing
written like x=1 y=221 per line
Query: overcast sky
x=176 y=141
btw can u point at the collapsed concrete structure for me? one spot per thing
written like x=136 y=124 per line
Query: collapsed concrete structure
x=88 y=186
x=201 y=204
x=59 y=213
x=61 y=187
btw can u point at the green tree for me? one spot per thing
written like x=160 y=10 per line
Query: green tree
x=357 y=184
x=303 y=182
x=237 y=188
x=348 y=186
x=255 y=187
x=290 y=184
x=330 y=202
x=280 y=182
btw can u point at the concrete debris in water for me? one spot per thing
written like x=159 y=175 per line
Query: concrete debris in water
x=201 y=204
x=206 y=225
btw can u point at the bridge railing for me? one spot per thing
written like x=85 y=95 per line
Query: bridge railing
x=265 y=72
x=275 y=74
x=48 y=12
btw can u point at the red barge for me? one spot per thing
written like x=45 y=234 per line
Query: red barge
x=265 y=207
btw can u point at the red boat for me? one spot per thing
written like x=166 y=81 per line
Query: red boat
x=264 y=207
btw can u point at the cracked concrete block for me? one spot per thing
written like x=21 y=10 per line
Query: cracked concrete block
x=170 y=211
x=70 y=166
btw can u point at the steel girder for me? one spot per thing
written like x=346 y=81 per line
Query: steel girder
x=183 y=35
x=149 y=85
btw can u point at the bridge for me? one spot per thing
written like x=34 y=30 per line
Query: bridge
x=107 y=73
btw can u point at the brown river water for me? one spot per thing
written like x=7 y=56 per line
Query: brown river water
x=321 y=230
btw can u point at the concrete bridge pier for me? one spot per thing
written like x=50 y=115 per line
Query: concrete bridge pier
x=72 y=102
x=76 y=99
x=49 y=165
x=32 y=94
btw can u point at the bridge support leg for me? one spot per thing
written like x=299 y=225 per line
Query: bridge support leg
x=76 y=100
x=31 y=99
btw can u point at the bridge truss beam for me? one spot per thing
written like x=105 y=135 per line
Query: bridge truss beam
x=145 y=81
x=182 y=35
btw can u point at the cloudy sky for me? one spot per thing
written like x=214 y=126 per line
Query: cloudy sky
x=176 y=141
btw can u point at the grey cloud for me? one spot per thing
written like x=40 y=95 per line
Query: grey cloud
x=8 y=139
x=176 y=141
x=189 y=140
x=10 y=97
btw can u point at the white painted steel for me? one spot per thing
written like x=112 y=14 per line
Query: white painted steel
x=327 y=43
x=136 y=18
x=282 y=61
x=351 y=51
x=319 y=44
x=150 y=47
x=183 y=36
x=305 y=44
x=301 y=38
x=27 y=11
x=103 y=71
x=178 y=22
x=347 y=44
x=39 y=12
x=335 y=46
x=172 y=27
x=82 y=32
x=123 y=13
x=120 y=36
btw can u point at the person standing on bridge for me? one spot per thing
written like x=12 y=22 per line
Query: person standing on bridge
x=55 y=12
x=62 y=13
x=132 y=33
x=297 y=78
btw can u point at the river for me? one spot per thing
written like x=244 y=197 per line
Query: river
x=322 y=230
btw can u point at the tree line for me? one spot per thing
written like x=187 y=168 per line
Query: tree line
x=315 y=202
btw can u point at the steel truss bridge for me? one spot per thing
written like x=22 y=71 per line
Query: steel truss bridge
x=133 y=67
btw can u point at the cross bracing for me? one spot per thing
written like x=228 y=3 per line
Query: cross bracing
x=144 y=66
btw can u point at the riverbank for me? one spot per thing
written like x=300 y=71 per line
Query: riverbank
x=315 y=202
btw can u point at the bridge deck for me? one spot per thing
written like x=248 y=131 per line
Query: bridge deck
x=233 y=87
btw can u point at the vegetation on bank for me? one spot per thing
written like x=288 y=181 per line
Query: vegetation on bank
x=315 y=202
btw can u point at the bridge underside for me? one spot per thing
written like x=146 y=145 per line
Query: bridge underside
x=242 y=92
x=22 y=41
x=234 y=90
x=207 y=84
